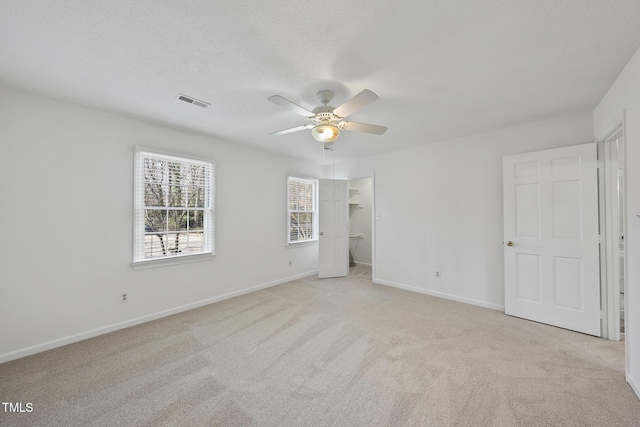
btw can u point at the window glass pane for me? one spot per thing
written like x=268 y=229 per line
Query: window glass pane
x=177 y=220
x=155 y=220
x=301 y=226
x=154 y=170
x=195 y=197
x=293 y=227
x=196 y=220
x=154 y=195
x=176 y=196
x=191 y=242
x=173 y=243
x=155 y=245
x=175 y=171
x=294 y=190
x=304 y=197
x=183 y=242
x=197 y=175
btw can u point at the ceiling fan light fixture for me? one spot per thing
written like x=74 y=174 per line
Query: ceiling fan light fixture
x=325 y=133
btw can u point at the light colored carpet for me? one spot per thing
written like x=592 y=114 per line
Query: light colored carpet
x=332 y=352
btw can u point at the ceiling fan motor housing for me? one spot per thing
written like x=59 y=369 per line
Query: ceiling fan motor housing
x=325 y=117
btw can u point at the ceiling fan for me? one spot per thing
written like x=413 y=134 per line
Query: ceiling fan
x=327 y=121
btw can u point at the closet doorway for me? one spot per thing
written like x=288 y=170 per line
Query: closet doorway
x=361 y=224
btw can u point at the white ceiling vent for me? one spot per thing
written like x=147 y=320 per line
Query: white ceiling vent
x=193 y=101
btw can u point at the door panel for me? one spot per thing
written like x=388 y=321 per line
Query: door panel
x=567 y=210
x=568 y=283
x=527 y=210
x=528 y=277
x=551 y=247
x=333 y=257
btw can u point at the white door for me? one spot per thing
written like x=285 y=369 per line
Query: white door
x=551 y=251
x=333 y=258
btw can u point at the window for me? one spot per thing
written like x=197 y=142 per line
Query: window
x=301 y=210
x=173 y=208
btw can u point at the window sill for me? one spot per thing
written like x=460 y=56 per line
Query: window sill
x=302 y=244
x=175 y=260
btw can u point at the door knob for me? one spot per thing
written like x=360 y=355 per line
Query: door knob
x=510 y=243
x=321 y=233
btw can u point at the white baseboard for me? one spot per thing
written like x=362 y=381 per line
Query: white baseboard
x=444 y=295
x=634 y=386
x=38 y=348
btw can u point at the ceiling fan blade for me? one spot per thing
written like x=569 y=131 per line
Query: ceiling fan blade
x=364 y=127
x=295 y=129
x=283 y=102
x=365 y=97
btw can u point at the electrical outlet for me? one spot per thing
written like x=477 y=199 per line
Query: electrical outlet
x=289 y=263
x=124 y=297
x=438 y=274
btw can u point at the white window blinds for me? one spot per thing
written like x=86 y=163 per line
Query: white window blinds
x=173 y=200
x=301 y=210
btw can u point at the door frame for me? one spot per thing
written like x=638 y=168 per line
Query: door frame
x=609 y=226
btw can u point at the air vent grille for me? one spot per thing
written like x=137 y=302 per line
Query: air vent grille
x=193 y=101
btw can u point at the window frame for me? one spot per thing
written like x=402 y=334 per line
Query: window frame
x=314 y=212
x=207 y=209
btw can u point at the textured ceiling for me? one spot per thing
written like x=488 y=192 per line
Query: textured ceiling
x=442 y=68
